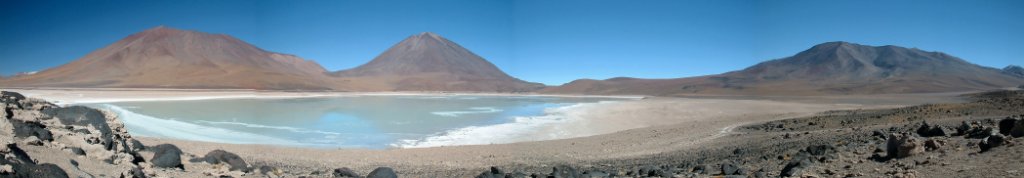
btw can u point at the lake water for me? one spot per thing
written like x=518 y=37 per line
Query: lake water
x=368 y=121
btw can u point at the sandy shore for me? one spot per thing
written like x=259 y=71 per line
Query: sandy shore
x=625 y=129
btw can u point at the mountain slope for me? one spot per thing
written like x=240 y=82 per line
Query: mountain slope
x=428 y=62
x=169 y=58
x=1014 y=71
x=828 y=68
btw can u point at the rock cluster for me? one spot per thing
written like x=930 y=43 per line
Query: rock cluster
x=76 y=129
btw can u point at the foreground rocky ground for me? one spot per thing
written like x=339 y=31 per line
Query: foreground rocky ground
x=979 y=138
x=971 y=139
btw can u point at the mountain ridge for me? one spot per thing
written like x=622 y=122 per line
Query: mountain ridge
x=163 y=57
x=827 y=68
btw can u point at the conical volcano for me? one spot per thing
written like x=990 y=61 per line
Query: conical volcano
x=429 y=62
x=163 y=57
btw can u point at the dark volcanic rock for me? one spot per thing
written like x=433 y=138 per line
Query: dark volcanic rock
x=46 y=170
x=167 y=156
x=77 y=151
x=81 y=116
x=928 y=130
x=221 y=156
x=342 y=172
x=992 y=142
x=382 y=172
x=1017 y=130
x=26 y=129
x=493 y=173
x=795 y=167
x=11 y=95
x=730 y=169
x=1007 y=124
x=564 y=172
x=974 y=129
x=700 y=169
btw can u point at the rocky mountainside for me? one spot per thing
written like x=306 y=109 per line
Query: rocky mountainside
x=163 y=57
x=1014 y=71
x=828 y=68
x=429 y=62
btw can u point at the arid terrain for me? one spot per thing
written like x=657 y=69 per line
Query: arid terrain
x=756 y=137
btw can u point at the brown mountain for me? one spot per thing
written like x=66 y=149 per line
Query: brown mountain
x=428 y=62
x=828 y=68
x=169 y=58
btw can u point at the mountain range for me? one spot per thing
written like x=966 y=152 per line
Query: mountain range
x=828 y=68
x=164 y=57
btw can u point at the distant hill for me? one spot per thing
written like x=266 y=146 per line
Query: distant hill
x=1014 y=71
x=828 y=68
x=163 y=57
x=429 y=62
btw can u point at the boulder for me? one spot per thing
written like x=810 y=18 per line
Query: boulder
x=795 y=167
x=903 y=145
x=1007 y=124
x=699 y=169
x=974 y=129
x=564 y=172
x=345 y=172
x=45 y=170
x=135 y=146
x=166 y=156
x=992 y=142
x=729 y=169
x=24 y=129
x=221 y=156
x=14 y=155
x=494 y=172
x=82 y=116
x=1017 y=130
x=10 y=98
x=382 y=172
x=928 y=130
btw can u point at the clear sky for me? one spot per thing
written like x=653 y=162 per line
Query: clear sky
x=546 y=41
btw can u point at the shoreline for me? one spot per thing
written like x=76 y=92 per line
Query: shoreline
x=69 y=96
x=575 y=121
x=617 y=131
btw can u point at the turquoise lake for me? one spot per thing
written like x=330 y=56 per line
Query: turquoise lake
x=362 y=121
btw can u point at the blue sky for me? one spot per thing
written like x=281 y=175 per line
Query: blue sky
x=552 y=42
